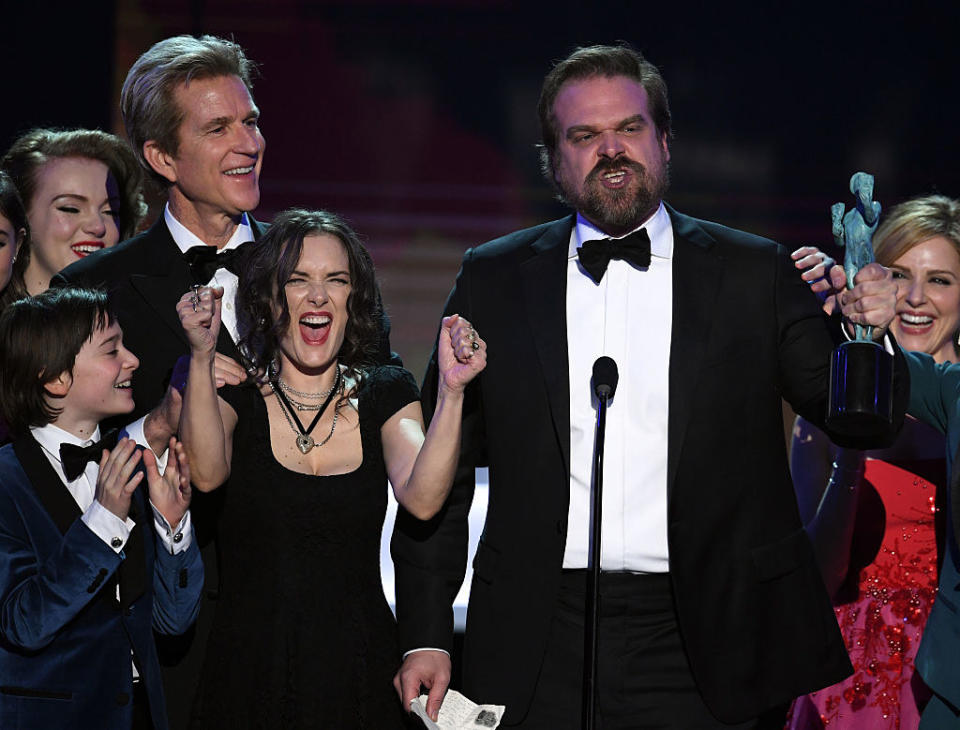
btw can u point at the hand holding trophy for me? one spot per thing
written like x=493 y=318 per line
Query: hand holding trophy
x=861 y=371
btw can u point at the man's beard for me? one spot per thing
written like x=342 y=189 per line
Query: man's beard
x=618 y=211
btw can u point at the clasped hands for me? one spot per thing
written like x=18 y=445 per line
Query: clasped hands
x=461 y=353
x=118 y=479
x=871 y=302
x=201 y=329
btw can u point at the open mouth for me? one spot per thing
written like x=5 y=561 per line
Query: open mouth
x=315 y=328
x=238 y=171
x=614 y=179
x=85 y=248
x=125 y=385
x=915 y=320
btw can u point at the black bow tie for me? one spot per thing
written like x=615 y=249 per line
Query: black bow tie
x=595 y=255
x=205 y=260
x=76 y=458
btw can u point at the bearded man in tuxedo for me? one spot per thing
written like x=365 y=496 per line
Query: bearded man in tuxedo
x=712 y=610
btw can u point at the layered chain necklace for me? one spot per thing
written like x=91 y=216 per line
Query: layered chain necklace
x=305 y=441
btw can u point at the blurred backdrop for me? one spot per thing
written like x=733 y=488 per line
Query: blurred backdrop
x=417 y=119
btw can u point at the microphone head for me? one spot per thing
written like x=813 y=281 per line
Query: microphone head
x=605 y=377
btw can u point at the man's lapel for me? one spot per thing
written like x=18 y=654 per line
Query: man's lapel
x=54 y=496
x=544 y=278
x=167 y=278
x=697 y=276
x=64 y=511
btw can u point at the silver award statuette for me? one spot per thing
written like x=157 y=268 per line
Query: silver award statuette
x=861 y=371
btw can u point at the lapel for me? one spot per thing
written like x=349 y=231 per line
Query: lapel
x=64 y=511
x=168 y=278
x=544 y=279
x=55 y=498
x=697 y=276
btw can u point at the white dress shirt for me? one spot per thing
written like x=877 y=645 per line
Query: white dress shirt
x=101 y=521
x=628 y=317
x=185 y=239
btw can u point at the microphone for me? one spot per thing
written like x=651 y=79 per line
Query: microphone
x=605 y=377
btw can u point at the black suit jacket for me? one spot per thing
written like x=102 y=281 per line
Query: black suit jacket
x=146 y=276
x=755 y=618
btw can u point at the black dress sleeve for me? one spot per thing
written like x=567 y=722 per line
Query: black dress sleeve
x=387 y=389
x=239 y=397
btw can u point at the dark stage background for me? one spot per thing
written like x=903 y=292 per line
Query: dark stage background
x=417 y=120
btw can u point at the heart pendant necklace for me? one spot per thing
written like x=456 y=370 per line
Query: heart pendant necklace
x=305 y=441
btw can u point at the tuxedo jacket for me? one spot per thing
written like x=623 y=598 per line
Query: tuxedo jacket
x=65 y=639
x=145 y=277
x=756 y=621
x=935 y=399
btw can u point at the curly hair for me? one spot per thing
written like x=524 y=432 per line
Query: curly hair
x=263 y=316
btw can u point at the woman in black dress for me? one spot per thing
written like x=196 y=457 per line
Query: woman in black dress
x=303 y=636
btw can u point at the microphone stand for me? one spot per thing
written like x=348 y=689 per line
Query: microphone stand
x=592 y=608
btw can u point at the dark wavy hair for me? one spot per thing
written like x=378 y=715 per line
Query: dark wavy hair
x=40 y=338
x=265 y=270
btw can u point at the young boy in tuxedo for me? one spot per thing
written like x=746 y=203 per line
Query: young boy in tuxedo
x=96 y=547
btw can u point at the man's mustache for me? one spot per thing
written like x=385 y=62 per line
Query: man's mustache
x=607 y=165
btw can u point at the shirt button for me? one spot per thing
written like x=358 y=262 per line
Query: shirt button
x=116 y=543
x=178 y=537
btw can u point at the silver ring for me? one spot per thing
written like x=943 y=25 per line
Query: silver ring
x=195 y=299
x=475 y=345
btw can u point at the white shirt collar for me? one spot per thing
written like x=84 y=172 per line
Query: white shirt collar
x=186 y=239
x=658 y=226
x=51 y=436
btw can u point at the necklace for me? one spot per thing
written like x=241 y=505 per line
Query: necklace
x=289 y=390
x=305 y=441
x=273 y=373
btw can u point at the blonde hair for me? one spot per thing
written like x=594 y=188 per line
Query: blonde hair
x=914 y=222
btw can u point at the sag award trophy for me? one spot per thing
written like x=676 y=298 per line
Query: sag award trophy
x=861 y=371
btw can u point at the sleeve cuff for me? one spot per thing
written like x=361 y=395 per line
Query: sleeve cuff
x=175 y=540
x=135 y=432
x=424 y=648
x=107 y=526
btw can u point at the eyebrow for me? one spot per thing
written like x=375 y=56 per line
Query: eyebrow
x=298 y=272
x=592 y=128
x=217 y=122
x=111 y=340
x=900 y=267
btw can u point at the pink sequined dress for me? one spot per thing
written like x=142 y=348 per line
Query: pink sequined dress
x=881 y=616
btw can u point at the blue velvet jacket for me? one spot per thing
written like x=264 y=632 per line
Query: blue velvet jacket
x=65 y=638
